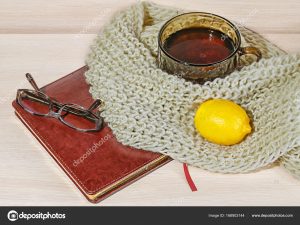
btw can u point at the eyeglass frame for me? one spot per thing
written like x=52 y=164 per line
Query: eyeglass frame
x=66 y=107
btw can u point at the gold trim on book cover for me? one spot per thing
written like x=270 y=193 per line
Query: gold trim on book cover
x=113 y=186
x=129 y=177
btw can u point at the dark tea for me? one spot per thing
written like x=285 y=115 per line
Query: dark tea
x=199 y=45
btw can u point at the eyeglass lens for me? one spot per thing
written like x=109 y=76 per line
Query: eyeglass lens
x=35 y=102
x=83 y=119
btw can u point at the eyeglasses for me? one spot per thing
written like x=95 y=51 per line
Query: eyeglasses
x=74 y=116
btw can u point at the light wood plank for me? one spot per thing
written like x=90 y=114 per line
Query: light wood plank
x=75 y=16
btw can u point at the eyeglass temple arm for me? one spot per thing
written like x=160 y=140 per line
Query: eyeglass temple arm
x=32 y=82
x=95 y=104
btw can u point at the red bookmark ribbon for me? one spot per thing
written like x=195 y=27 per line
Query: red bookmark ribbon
x=188 y=177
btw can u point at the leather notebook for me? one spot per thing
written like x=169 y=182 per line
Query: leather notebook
x=95 y=161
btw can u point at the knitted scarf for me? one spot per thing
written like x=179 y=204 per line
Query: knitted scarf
x=150 y=109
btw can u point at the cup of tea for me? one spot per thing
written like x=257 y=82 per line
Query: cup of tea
x=201 y=46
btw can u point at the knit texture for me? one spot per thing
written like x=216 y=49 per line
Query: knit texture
x=150 y=109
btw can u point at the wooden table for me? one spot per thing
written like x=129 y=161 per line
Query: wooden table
x=51 y=38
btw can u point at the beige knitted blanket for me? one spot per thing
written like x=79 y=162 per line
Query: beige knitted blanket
x=150 y=109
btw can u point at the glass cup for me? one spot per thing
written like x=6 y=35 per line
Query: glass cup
x=202 y=72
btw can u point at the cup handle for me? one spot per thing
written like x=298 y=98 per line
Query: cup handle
x=251 y=50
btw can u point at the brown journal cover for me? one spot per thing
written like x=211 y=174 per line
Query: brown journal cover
x=95 y=161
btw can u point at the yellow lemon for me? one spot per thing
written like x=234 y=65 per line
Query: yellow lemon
x=222 y=122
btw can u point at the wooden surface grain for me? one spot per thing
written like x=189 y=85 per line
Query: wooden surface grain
x=51 y=38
